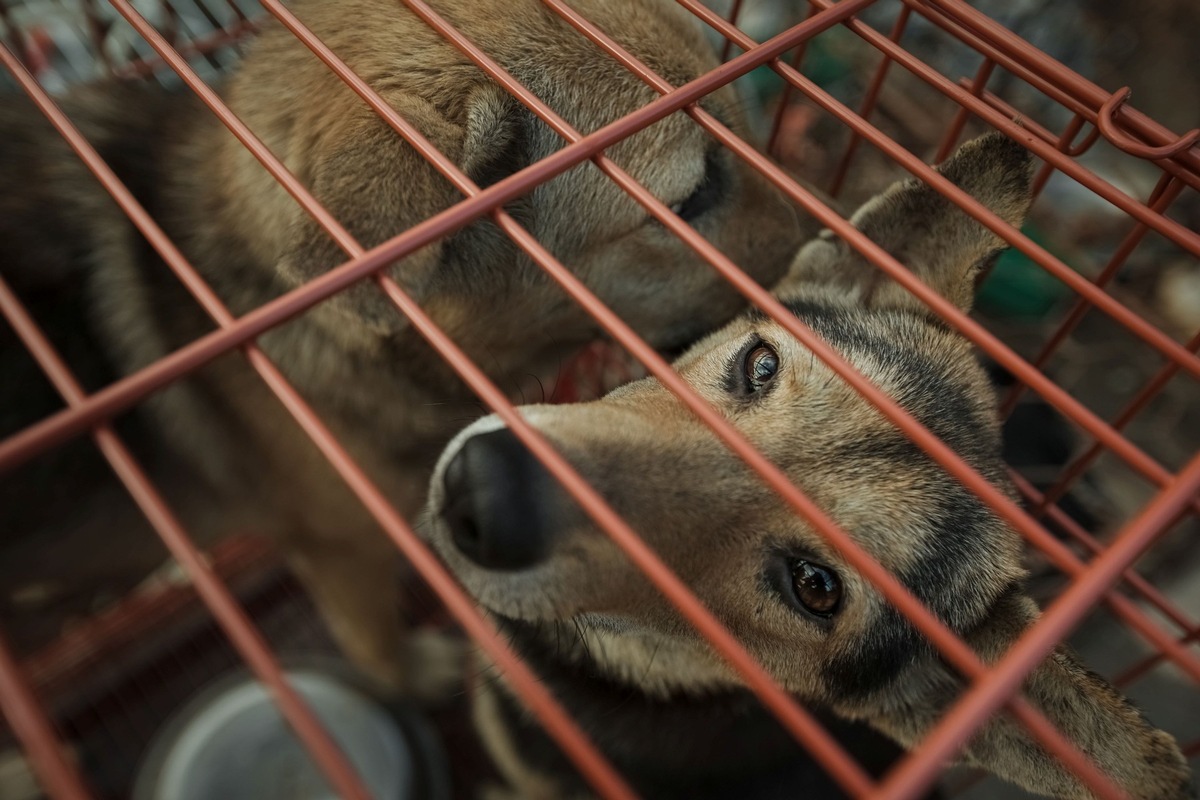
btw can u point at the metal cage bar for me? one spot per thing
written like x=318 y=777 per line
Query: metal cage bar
x=785 y=97
x=976 y=86
x=868 y=103
x=943 y=456
x=242 y=633
x=323 y=749
x=1044 y=66
x=1160 y=200
x=991 y=687
x=19 y=705
x=1076 y=468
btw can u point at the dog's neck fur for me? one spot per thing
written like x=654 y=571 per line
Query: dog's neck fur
x=721 y=743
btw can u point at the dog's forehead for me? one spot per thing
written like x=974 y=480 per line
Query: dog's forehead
x=866 y=339
x=929 y=529
x=582 y=77
x=664 y=35
x=927 y=369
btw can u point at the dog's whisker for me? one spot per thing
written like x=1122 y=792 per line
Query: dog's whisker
x=650 y=661
x=582 y=638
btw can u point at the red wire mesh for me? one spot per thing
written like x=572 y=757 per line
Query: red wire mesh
x=1105 y=571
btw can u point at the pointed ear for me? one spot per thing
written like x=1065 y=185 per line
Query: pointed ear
x=377 y=186
x=1143 y=760
x=930 y=235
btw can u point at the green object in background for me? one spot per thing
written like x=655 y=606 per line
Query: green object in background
x=824 y=63
x=1017 y=287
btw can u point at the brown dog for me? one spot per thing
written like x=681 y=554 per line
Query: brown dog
x=670 y=714
x=372 y=378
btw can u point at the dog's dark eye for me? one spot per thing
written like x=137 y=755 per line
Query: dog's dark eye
x=817 y=588
x=760 y=366
x=707 y=193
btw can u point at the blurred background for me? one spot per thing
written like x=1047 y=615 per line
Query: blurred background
x=120 y=656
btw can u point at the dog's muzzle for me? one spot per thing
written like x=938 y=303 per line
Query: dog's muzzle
x=499 y=502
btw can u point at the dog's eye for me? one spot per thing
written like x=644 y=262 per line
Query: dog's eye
x=817 y=588
x=760 y=366
x=707 y=194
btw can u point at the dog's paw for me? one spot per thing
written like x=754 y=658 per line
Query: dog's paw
x=434 y=665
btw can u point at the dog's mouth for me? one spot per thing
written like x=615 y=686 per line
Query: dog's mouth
x=594 y=371
x=603 y=365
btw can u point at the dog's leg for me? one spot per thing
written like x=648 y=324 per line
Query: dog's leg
x=356 y=590
x=355 y=583
x=377 y=185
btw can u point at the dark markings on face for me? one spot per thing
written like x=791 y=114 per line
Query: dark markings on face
x=931 y=390
x=891 y=452
x=962 y=535
x=958 y=530
x=926 y=387
x=884 y=651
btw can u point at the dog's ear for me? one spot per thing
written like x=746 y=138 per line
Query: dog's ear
x=943 y=246
x=1145 y=761
x=377 y=186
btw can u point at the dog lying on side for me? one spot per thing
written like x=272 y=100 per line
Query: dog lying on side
x=668 y=712
x=221 y=446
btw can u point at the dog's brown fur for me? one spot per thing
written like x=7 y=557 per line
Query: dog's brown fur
x=534 y=560
x=370 y=376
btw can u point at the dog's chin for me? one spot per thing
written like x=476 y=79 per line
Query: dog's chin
x=515 y=605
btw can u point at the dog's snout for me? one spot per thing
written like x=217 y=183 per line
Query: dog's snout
x=498 y=502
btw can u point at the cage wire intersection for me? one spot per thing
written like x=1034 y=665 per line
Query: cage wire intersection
x=188 y=46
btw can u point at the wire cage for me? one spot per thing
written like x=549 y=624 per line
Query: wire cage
x=1089 y=323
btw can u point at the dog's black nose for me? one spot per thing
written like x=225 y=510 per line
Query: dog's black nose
x=497 y=502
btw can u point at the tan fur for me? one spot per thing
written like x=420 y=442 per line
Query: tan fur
x=1093 y=714
x=372 y=379
x=728 y=536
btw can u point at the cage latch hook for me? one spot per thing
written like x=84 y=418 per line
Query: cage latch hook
x=1108 y=127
